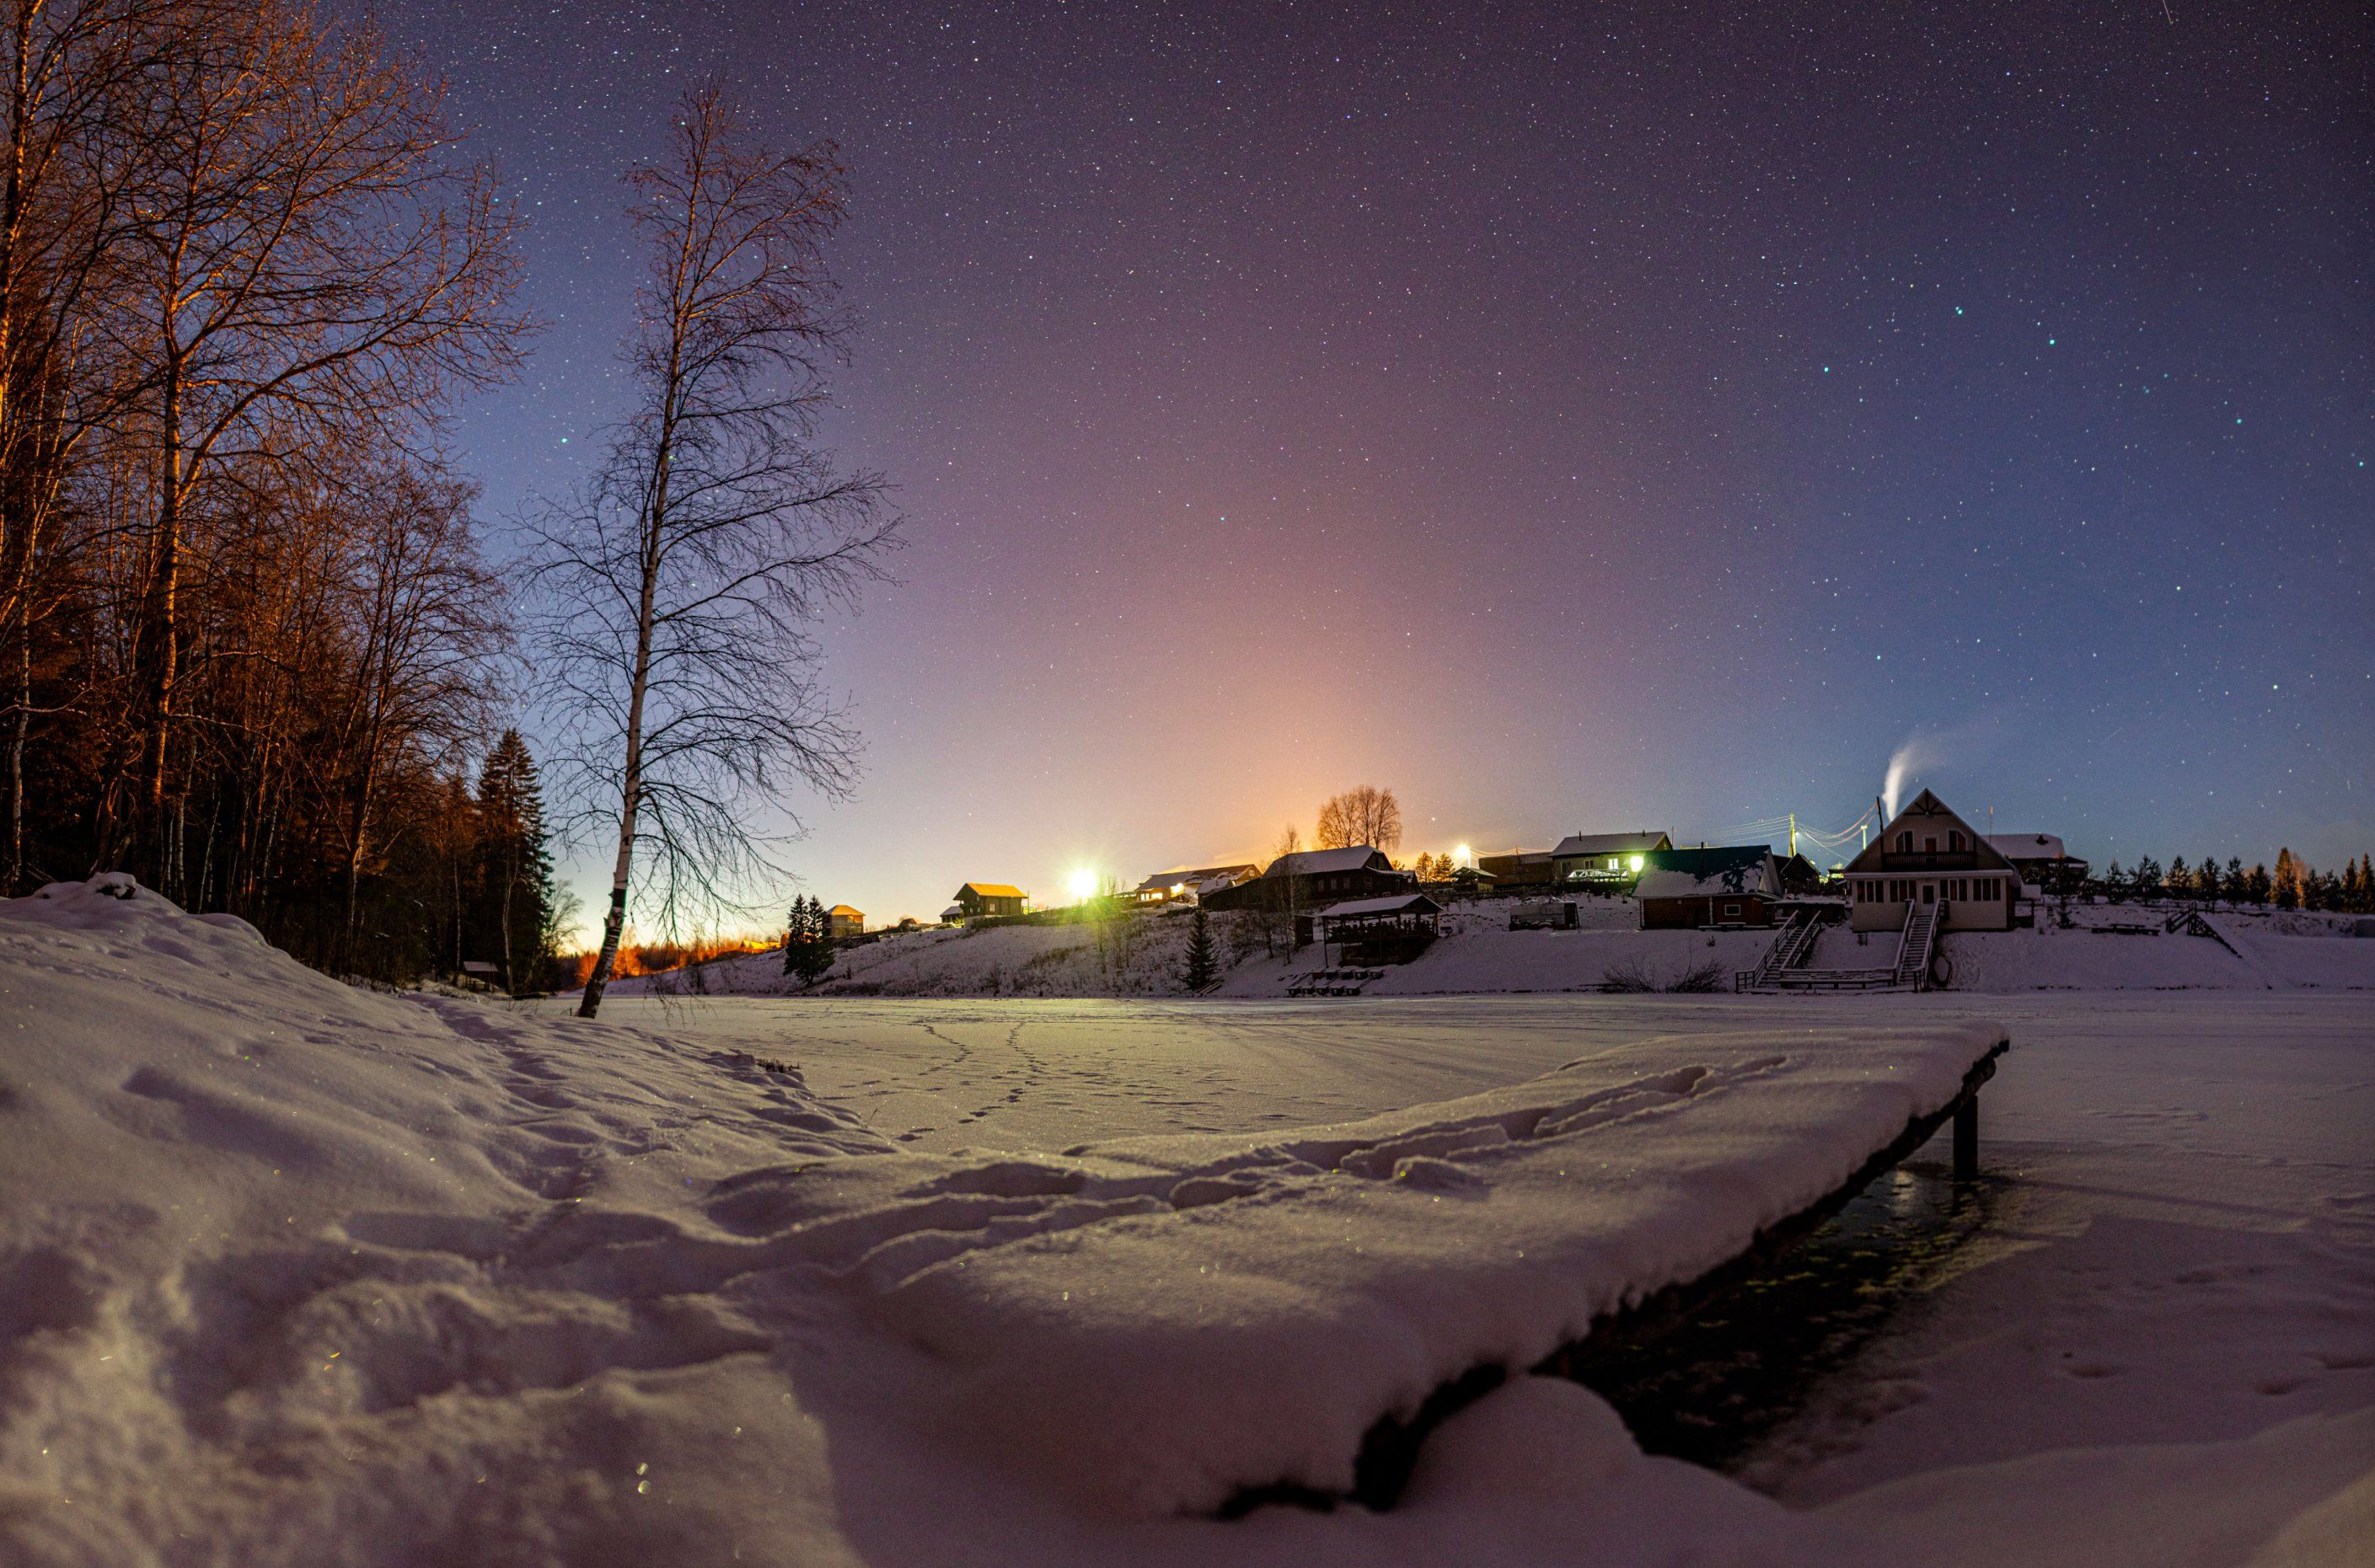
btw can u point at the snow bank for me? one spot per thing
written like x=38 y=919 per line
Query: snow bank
x=1141 y=954
x=1478 y=955
x=293 y=1273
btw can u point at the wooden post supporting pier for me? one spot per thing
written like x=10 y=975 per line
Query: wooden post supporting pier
x=1967 y=1136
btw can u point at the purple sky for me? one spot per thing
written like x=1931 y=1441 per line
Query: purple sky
x=1573 y=419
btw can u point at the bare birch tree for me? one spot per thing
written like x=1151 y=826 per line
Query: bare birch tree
x=681 y=588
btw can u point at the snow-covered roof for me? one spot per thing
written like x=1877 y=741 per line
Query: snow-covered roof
x=1607 y=843
x=1319 y=861
x=1926 y=817
x=2027 y=847
x=1195 y=877
x=1732 y=870
x=1403 y=904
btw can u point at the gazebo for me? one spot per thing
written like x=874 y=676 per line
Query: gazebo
x=1395 y=929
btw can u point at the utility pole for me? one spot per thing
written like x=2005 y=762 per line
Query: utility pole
x=1793 y=833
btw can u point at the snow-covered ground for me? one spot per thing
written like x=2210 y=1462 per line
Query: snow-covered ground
x=291 y=1273
x=1146 y=956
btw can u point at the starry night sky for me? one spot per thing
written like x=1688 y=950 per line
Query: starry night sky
x=1574 y=417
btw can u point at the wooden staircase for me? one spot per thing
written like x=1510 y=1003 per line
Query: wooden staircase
x=1920 y=936
x=1790 y=949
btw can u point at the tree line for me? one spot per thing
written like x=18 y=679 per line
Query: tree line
x=2293 y=884
x=252 y=647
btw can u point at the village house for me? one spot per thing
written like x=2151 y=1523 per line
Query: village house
x=1183 y=883
x=1930 y=856
x=842 y=921
x=1721 y=885
x=2039 y=857
x=977 y=901
x=1604 y=858
x=1313 y=877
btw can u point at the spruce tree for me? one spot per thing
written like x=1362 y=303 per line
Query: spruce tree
x=510 y=920
x=2256 y=885
x=2288 y=881
x=2236 y=886
x=808 y=954
x=2181 y=880
x=1203 y=966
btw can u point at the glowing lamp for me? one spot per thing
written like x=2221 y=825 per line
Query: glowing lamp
x=1081 y=884
x=1638 y=862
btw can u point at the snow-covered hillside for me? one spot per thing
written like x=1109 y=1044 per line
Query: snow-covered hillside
x=291 y=1273
x=1145 y=955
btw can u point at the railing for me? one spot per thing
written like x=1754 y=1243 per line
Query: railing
x=1922 y=921
x=1791 y=948
x=1929 y=860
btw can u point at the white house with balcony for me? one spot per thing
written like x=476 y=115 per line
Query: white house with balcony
x=1929 y=855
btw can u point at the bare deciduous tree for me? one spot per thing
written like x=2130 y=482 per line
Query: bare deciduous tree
x=681 y=590
x=67 y=63
x=1282 y=903
x=424 y=609
x=302 y=255
x=1363 y=816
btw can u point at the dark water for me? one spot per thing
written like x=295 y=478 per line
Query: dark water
x=1709 y=1389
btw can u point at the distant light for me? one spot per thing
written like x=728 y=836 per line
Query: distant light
x=1081 y=884
x=1463 y=854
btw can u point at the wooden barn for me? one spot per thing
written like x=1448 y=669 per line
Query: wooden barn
x=1519 y=871
x=1712 y=885
x=1930 y=856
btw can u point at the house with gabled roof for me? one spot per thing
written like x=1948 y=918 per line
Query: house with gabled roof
x=842 y=921
x=1310 y=878
x=2039 y=857
x=1711 y=885
x=977 y=901
x=1189 y=883
x=1604 y=858
x=1929 y=855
